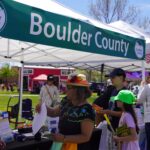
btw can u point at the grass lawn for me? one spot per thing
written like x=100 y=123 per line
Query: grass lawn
x=5 y=96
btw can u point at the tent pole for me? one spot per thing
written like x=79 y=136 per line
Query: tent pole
x=143 y=71
x=8 y=47
x=102 y=71
x=90 y=75
x=21 y=89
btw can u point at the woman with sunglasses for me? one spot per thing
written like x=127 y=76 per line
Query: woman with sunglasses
x=77 y=117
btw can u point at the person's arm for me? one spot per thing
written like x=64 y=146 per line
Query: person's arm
x=142 y=96
x=98 y=115
x=41 y=95
x=98 y=118
x=41 y=99
x=53 y=111
x=57 y=94
x=111 y=112
x=38 y=106
x=131 y=137
x=87 y=127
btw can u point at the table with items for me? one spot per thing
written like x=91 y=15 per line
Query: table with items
x=30 y=144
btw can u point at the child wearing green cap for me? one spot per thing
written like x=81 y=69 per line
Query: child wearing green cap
x=125 y=99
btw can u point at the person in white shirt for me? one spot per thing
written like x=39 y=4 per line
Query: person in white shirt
x=144 y=97
x=49 y=92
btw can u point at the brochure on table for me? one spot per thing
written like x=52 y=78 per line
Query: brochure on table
x=5 y=130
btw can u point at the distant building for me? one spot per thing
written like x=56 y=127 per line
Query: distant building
x=35 y=76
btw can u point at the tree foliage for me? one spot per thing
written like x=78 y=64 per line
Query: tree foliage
x=92 y=75
x=6 y=73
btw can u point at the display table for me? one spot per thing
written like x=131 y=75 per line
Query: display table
x=44 y=144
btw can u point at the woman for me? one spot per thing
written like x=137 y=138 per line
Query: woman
x=76 y=115
x=128 y=128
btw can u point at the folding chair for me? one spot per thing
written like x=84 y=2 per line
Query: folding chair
x=13 y=110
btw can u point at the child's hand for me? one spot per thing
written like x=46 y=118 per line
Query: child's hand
x=116 y=138
x=105 y=111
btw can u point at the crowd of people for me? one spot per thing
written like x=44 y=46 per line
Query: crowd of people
x=78 y=118
x=116 y=101
x=7 y=87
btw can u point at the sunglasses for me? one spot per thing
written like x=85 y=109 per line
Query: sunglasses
x=69 y=87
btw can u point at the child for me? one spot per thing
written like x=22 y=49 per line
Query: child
x=128 y=141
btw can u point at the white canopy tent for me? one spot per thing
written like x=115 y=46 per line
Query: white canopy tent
x=37 y=54
x=59 y=53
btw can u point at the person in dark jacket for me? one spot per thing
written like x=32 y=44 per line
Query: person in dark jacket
x=110 y=108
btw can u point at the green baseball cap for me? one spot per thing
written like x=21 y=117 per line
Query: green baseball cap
x=125 y=96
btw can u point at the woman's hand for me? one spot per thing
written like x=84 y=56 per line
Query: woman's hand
x=2 y=145
x=58 y=137
x=97 y=108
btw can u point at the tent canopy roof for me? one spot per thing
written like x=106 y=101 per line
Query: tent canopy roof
x=130 y=29
x=41 y=77
x=38 y=54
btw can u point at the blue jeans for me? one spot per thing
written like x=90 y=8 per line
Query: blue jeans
x=147 y=131
x=142 y=138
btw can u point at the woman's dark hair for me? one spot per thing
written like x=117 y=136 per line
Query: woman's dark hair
x=129 y=108
x=82 y=93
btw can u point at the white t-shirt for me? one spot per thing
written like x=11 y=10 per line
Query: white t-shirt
x=127 y=119
x=144 y=97
x=45 y=96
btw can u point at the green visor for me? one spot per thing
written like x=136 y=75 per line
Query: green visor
x=125 y=96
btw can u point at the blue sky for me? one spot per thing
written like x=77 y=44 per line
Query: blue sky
x=82 y=6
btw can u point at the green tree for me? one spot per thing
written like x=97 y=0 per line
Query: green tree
x=6 y=73
x=92 y=75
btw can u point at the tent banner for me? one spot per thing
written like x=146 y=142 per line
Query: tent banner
x=26 y=23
